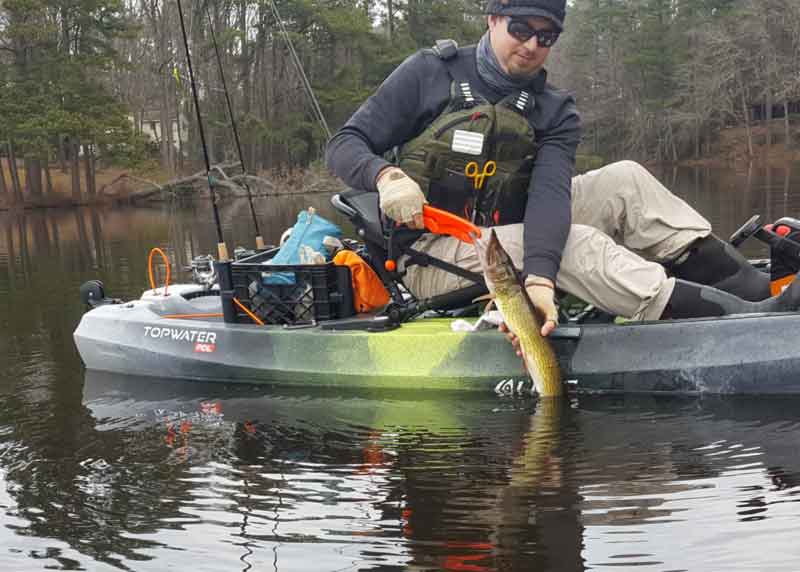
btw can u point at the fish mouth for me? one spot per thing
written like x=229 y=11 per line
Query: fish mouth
x=486 y=249
x=493 y=250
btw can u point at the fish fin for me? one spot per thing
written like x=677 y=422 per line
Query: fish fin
x=528 y=369
x=484 y=297
x=490 y=297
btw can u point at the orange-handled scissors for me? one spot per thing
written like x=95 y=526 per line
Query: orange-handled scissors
x=473 y=172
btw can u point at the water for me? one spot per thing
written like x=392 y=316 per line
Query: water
x=101 y=472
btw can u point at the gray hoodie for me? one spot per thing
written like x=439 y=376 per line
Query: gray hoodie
x=416 y=93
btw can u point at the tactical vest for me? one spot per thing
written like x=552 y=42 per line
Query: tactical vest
x=472 y=130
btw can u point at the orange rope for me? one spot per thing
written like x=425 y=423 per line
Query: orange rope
x=248 y=312
x=150 y=268
x=190 y=316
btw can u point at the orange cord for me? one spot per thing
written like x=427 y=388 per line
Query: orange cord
x=150 y=268
x=248 y=312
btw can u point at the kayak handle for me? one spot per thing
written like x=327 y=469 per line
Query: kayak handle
x=150 y=268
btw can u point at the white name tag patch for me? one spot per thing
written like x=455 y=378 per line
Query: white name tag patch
x=467 y=142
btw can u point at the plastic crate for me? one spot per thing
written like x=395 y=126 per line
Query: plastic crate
x=292 y=295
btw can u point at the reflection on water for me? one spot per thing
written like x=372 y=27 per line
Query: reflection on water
x=99 y=472
x=149 y=472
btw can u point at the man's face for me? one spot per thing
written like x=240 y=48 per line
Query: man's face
x=518 y=59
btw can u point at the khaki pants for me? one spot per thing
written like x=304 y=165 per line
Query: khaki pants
x=624 y=222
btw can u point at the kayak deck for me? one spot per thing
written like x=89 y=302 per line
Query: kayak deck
x=733 y=354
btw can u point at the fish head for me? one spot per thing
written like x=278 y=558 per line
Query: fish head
x=498 y=269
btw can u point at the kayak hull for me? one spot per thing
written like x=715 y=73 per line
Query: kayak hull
x=752 y=354
x=136 y=339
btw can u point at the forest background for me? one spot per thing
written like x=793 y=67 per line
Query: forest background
x=89 y=86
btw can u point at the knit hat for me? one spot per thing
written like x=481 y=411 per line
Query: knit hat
x=553 y=10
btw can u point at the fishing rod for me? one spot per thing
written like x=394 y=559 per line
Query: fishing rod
x=259 y=238
x=222 y=250
x=316 y=109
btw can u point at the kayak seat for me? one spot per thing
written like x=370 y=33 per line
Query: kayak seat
x=385 y=242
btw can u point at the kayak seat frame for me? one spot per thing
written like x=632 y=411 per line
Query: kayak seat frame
x=386 y=242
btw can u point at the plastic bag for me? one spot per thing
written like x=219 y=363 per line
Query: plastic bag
x=304 y=245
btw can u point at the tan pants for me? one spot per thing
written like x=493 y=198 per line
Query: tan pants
x=624 y=222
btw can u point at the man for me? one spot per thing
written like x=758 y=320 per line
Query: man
x=605 y=236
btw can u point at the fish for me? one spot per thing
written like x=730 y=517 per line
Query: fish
x=508 y=292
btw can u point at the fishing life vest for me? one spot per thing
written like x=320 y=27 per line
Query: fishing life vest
x=450 y=159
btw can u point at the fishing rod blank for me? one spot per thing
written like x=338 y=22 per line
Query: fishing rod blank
x=259 y=238
x=222 y=250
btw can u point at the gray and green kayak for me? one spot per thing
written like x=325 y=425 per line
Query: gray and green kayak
x=752 y=354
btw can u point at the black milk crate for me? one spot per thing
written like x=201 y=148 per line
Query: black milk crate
x=292 y=294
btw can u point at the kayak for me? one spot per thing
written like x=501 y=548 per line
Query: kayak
x=155 y=336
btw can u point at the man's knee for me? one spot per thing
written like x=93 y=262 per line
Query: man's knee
x=612 y=277
x=624 y=176
x=626 y=166
x=585 y=236
x=585 y=247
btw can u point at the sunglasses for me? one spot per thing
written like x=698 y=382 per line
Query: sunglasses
x=522 y=32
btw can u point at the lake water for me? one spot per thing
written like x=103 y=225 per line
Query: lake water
x=101 y=472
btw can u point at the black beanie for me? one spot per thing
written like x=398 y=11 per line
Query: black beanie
x=553 y=10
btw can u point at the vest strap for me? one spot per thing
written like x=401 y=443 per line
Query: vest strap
x=446 y=49
x=423 y=259
x=524 y=102
x=458 y=65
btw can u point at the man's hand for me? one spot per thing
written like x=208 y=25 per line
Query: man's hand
x=400 y=197
x=542 y=293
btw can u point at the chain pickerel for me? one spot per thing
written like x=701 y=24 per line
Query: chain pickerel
x=519 y=314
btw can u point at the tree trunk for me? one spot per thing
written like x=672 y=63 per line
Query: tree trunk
x=697 y=134
x=593 y=86
x=3 y=184
x=165 y=126
x=786 y=177
x=179 y=156
x=62 y=153
x=390 y=19
x=88 y=164
x=209 y=107
x=767 y=193
x=787 y=133
x=33 y=177
x=47 y=178
x=165 y=83
x=673 y=144
x=93 y=169
x=12 y=168
x=769 y=118
x=75 y=170
x=747 y=126
x=244 y=73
